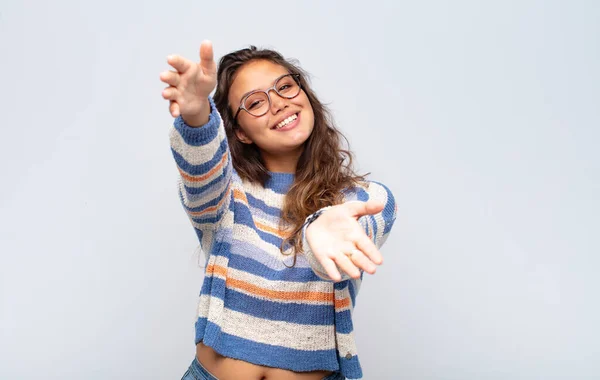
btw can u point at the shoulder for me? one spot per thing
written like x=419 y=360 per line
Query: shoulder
x=375 y=191
x=370 y=190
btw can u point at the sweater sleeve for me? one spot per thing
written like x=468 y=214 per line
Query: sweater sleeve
x=377 y=226
x=204 y=162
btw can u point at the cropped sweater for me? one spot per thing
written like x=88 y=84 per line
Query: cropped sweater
x=254 y=305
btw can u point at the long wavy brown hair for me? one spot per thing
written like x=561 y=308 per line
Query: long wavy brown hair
x=325 y=166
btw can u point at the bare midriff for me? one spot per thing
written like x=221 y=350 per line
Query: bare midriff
x=224 y=368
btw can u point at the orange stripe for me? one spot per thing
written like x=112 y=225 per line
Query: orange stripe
x=268 y=293
x=200 y=178
x=274 y=231
x=345 y=302
x=240 y=195
x=212 y=208
x=279 y=294
x=216 y=269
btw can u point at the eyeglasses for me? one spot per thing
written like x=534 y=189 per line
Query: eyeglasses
x=258 y=102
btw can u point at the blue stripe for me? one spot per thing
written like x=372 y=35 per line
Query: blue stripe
x=264 y=354
x=350 y=368
x=214 y=286
x=269 y=237
x=257 y=203
x=340 y=285
x=305 y=314
x=204 y=167
x=343 y=319
x=294 y=274
x=343 y=322
x=362 y=195
x=389 y=210
x=209 y=218
x=280 y=182
x=212 y=219
x=198 y=191
x=279 y=262
x=203 y=135
x=352 y=290
x=243 y=216
x=218 y=182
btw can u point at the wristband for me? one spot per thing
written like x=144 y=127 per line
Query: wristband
x=313 y=217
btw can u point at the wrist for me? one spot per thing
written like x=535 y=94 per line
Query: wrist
x=311 y=218
x=200 y=118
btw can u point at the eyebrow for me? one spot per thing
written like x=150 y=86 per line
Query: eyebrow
x=275 y=81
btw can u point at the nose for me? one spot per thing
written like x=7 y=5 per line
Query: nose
x=277 y=102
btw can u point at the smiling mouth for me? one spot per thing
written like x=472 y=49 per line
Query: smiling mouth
x=286 y=122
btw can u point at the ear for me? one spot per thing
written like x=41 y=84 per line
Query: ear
x=242 y=136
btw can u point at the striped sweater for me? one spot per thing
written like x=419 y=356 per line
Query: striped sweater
x=253 y=306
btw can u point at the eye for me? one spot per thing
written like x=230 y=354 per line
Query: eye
x=284 y=87
x=254 y=104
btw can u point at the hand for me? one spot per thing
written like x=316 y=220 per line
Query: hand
x=336 y=237
x=190 y=85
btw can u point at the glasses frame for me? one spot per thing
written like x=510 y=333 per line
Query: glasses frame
x=296 y=77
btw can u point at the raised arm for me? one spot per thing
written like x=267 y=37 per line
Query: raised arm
x=198 y=142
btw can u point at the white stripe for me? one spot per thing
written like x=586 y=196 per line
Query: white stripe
x=346 y=344
x=250 y=236
x=261 y=216
x=197 y=155
x=211 y=308
x=278 y=333
x=278 y=263
x=267 y=196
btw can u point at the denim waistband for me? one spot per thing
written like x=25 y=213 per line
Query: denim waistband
x=198 y=372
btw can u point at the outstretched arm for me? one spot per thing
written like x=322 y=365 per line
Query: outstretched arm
x=198 y=142
x=346 y=238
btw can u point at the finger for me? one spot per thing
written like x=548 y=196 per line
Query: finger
x=366 y=246
x=358 y=257
x=170 y=93
x=361 y=261
x=358 y=209
x=331 y=269
x=170 y=77
x=179 y=63
x=207 y=58
x=174 y=109
x=345 y=264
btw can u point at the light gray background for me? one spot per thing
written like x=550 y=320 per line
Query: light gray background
x=482 y=117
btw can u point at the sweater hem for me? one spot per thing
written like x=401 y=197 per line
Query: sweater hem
x=264 y=354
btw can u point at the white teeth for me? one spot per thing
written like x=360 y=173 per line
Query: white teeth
x=286 y=121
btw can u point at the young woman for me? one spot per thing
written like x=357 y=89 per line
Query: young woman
x=287 y=227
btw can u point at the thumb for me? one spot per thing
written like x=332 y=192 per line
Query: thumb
x=358 y=209
x=207 y=58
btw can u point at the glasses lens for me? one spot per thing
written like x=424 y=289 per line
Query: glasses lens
x=257 y=104
x=287 y=87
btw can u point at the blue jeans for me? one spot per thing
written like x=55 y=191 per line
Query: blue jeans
x=197 y=372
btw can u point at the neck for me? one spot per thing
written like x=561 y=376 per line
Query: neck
x=282 y=163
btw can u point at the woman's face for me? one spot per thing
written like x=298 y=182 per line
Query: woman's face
x=272 y=137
